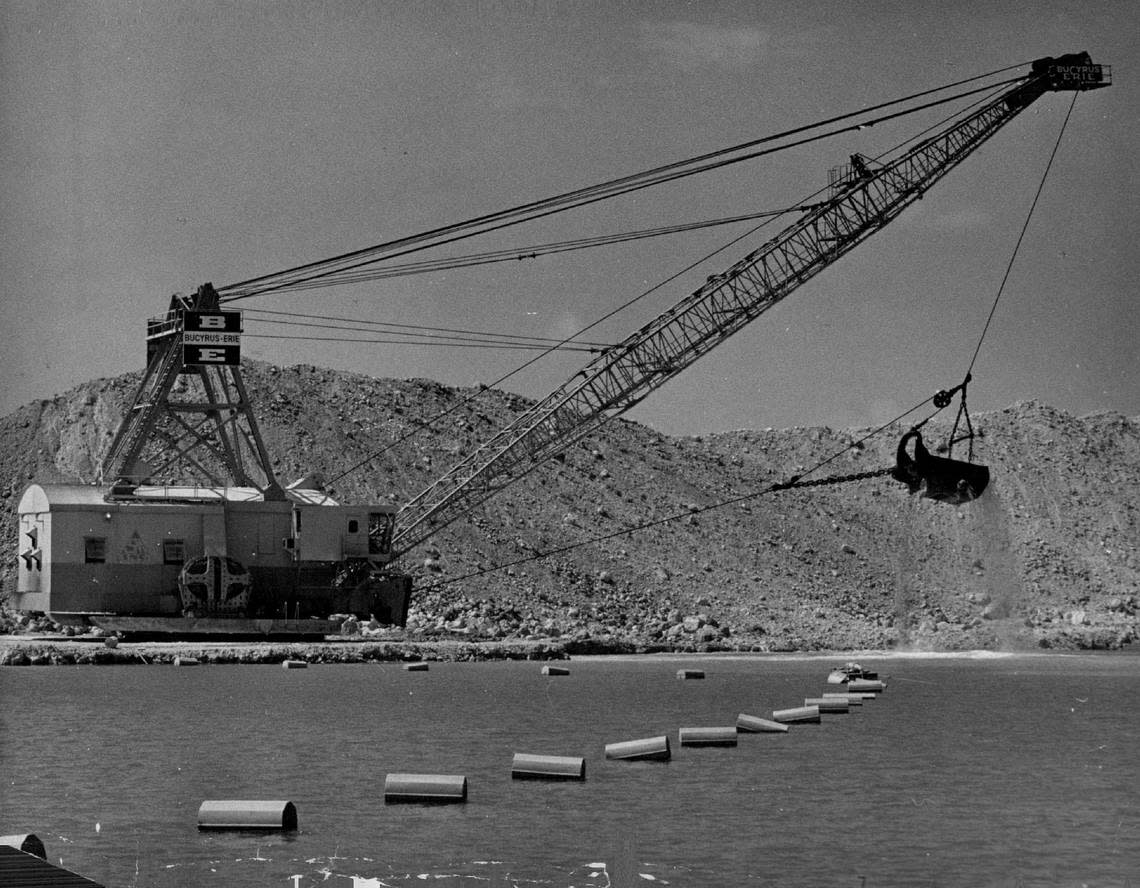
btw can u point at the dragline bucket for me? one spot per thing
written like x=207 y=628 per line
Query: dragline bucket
x=945 y=480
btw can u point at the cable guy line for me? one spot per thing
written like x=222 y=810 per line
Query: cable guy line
x=604 y=195
x=507 y=346
x=421 y=333
x=353 y=276
x=664 y=173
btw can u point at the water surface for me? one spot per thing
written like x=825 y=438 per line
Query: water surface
x=969 y=770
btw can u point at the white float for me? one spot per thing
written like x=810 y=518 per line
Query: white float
x=755 y=725
x=547 y=767
x=247 y=814
x=831 y=705
x=555 y=670
x=648 y=748
x=715 y=736
x=797 y=715
x=425 y=788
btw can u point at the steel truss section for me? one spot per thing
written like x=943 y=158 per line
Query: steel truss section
x=625 y=373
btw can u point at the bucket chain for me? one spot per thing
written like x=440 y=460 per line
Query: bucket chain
x=833 y=479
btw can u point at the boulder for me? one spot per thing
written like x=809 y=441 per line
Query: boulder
x=14 y=658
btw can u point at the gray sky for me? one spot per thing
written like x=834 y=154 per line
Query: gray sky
x=147 y=148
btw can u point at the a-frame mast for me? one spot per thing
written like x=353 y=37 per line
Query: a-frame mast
x=191 y=421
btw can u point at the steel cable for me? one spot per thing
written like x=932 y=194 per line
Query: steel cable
x=537 y=209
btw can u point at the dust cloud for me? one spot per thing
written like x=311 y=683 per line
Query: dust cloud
x=987 y=573
x=905 y=566
x=996 y=569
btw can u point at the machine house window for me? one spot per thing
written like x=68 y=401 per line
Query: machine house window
x=173 y=552
x=95 y=550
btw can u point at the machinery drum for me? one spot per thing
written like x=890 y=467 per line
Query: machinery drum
x=214 y=585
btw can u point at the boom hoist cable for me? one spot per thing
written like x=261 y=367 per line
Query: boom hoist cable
x=523 y=253
x=348 y=262
x=414 y=334
x=517 y=254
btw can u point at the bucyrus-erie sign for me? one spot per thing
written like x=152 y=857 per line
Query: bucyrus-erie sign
x=211 y=337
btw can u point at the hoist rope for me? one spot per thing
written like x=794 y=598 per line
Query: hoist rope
x=579 y=197
x=1021 y=236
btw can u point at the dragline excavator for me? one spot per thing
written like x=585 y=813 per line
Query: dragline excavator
x=236 y=552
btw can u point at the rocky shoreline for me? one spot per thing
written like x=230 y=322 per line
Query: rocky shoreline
x=399 y=646
x=467 y=631
x=64 y=651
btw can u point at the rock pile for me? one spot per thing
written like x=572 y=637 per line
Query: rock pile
x=846 y=566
